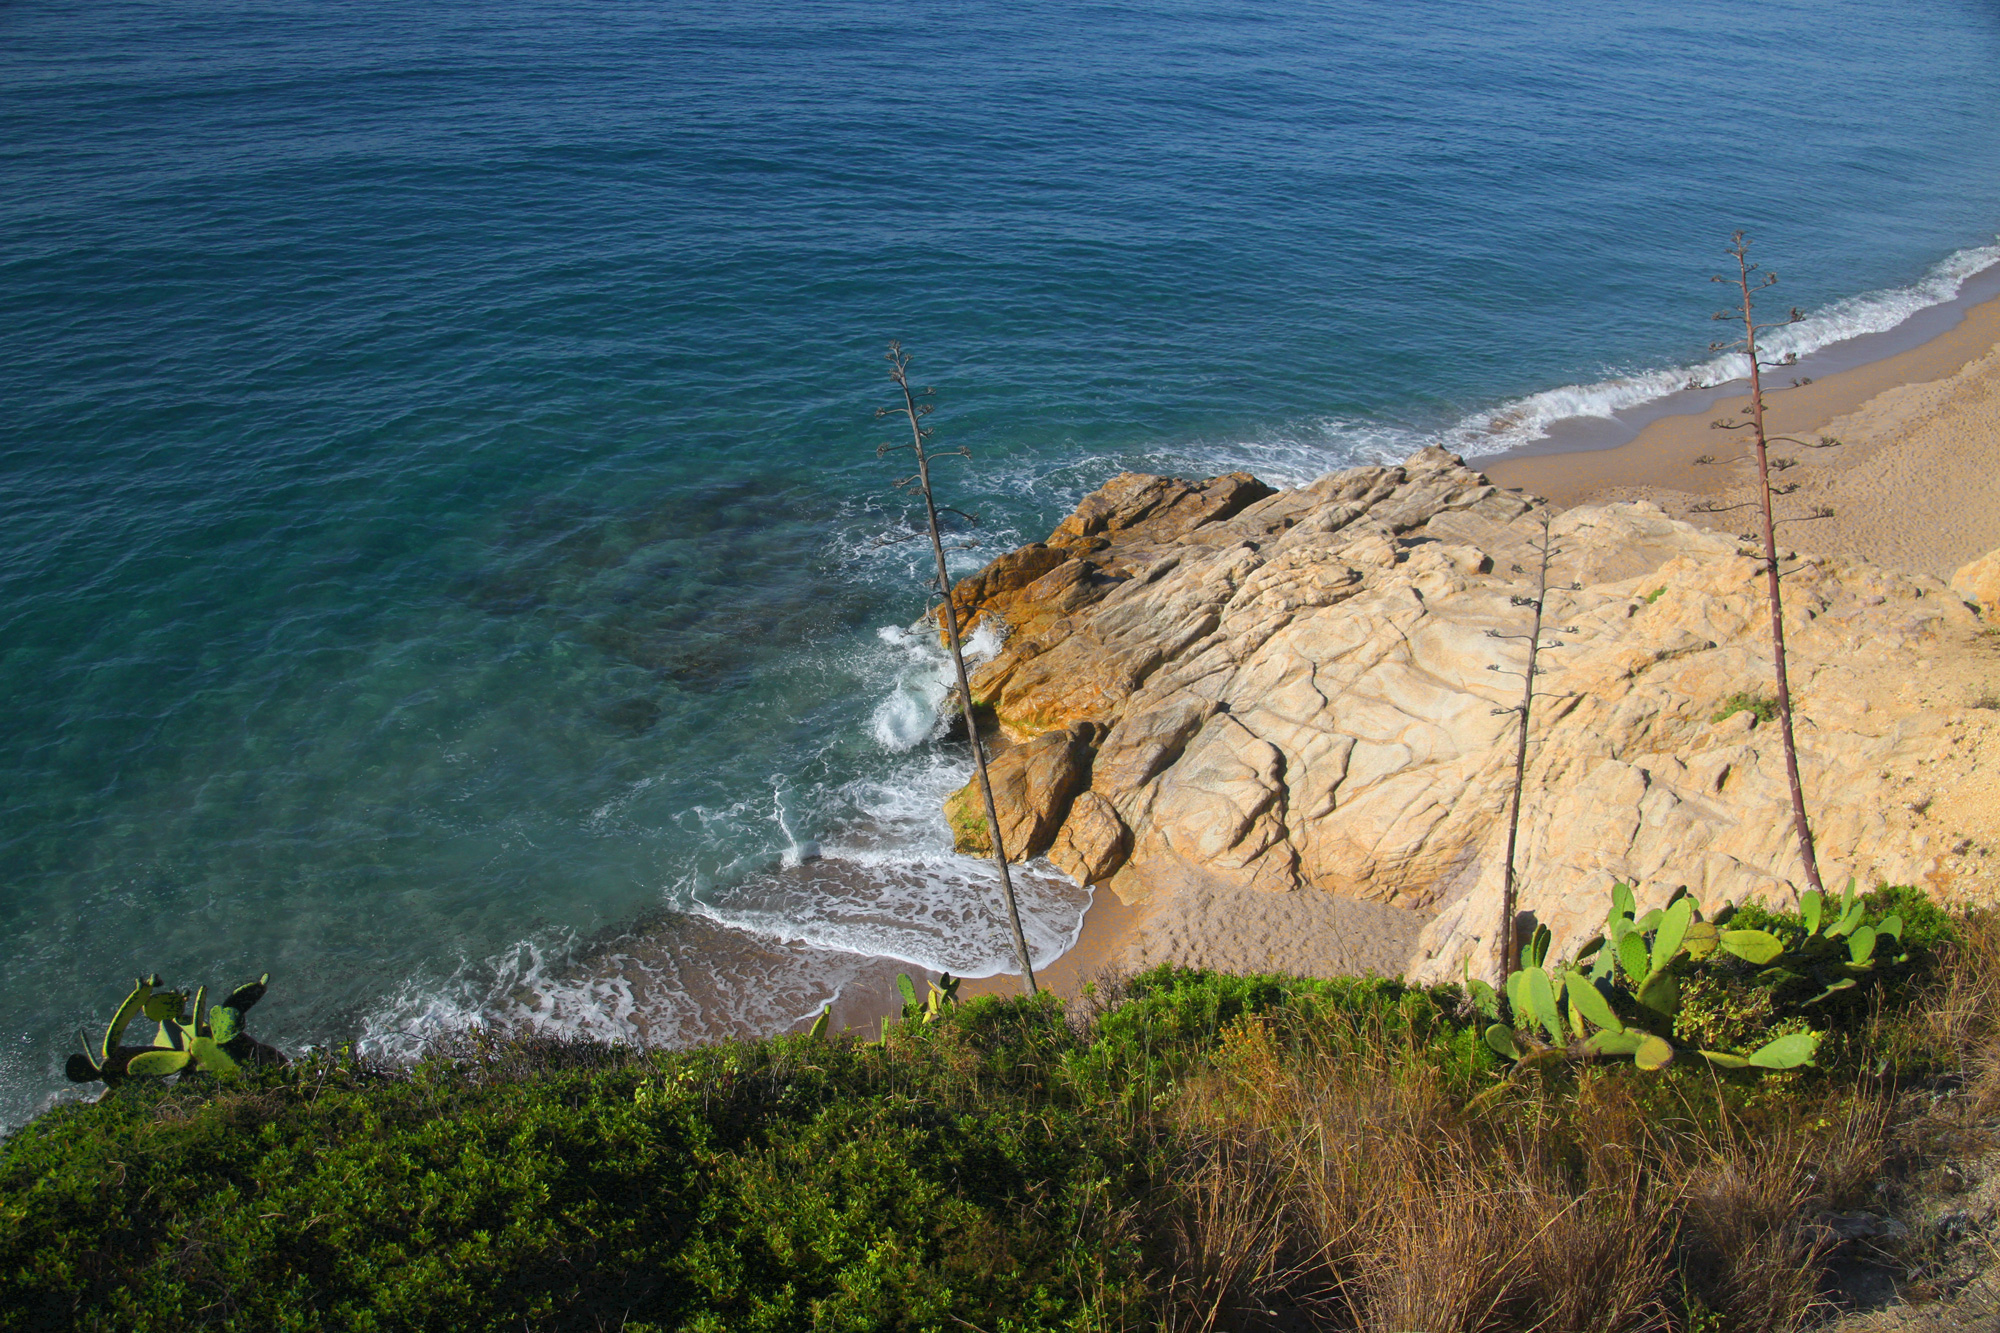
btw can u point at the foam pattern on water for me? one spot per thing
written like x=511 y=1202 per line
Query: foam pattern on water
x=671 y=981
x=1525 y=420
x=909 y=715
x=763 y=949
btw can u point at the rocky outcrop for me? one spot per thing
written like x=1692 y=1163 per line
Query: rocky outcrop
x=1302 y=691
x=1979 y=584
x=1033 y=787
x=1092 y=549
x=1094 y=841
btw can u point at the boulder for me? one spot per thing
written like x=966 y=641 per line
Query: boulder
x=1093 y=842
x=1979 y=584
x=1033 y=786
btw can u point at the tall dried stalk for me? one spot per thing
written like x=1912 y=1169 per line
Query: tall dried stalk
x=1740 y=248
x=1509 y=901
x=899 y=365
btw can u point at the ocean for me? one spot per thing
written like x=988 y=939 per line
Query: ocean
x=446 y=560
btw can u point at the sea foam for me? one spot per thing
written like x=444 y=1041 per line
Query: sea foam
x=856 y=875
x=1526 y=420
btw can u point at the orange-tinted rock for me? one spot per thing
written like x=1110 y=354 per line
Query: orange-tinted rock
x=1979 y=584
x=1139 y=508
x=1000 y=580
x=1033 y=785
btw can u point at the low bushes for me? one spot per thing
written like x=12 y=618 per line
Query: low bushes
x=778 y=1184
x=1184 y=1150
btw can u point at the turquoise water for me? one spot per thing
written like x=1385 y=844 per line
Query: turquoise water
x=442 y=519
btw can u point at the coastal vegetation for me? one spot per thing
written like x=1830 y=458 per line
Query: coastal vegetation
x=1758 y=706
x=1178 y=1150
x=204 y=1039
x=1623 y=995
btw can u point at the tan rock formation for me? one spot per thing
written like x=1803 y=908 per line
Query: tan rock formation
x=1134 y=511
x=1299 y=691
x=1093 y=842
x=1979 y=584
x=1033 y=786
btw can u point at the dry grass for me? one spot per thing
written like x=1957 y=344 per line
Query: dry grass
x=1340 y=1181
x=1943 y=1151
x=1337 y=1182
x=1964 y=1012
x=1745 y=1250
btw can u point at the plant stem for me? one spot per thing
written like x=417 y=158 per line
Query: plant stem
x=1508 y=910
x=898 y=364
x=1799 y=823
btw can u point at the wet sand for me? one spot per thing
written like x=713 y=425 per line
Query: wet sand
x=1097 y=954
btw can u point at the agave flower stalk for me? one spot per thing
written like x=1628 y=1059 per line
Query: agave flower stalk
x=899 y=364
x=1774 y=594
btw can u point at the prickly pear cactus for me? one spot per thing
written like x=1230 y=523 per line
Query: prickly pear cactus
x=1839 y=948
x=1622 y=995
x=187 y=1040
x=943 y=995
x=110 y=1061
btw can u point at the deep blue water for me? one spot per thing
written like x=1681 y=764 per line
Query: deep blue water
x=436 y=445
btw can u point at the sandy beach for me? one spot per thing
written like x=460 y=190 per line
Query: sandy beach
x=1098 y=952
x=1914 y=483
x=1224 y=927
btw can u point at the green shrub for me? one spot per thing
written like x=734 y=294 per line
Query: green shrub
x=1756 y=705
x=768 y=1185
x=1012 y=1164
x=1169 y=1019
x=1926 y=926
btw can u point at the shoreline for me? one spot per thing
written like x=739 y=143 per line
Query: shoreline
x=1587 y=433
x=1109 y=923
x=1915 y=485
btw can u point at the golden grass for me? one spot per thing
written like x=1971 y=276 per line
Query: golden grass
x=1333 y=1180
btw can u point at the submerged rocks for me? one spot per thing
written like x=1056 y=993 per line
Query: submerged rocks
x=1302 y=690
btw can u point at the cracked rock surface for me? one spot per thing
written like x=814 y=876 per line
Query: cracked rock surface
x=1273 y=703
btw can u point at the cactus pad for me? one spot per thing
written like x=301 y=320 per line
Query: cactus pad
x=1786 y=1052
x=1753 y=946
